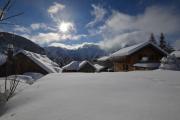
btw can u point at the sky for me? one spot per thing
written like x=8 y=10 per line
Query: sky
x=111 y=24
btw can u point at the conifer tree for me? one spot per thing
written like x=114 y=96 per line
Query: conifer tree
x=165 y=45
x=152 y=39
x=162 y=42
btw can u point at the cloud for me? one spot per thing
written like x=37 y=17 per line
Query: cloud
x=55 y=8
x=21 y=29
x=99 y=13
x=123 y=40
x=61 y=30
x=120 y=28
x=71 y=47
x=50 y=37
x=41 y=26
x=66 y=27
x=176 y=44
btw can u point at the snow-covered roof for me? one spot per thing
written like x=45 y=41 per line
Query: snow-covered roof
x=99 y=67
x=147 y=65
x=2 y=58
x=74 y=65
x=130 y=50
x=84 y=63
x=42 y=60
x=176 y=53
x=104 y=58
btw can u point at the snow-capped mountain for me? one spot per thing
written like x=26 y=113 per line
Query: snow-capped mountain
x=64 y=55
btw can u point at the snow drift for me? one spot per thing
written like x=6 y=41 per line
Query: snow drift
x=150 y=95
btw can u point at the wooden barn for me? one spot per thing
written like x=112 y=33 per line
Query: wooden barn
x=77 y=66
x=25 y=61
x=143 y=56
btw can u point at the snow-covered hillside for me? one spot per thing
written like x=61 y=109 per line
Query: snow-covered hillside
x=149 y=95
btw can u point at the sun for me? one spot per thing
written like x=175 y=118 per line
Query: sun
x=65 y=27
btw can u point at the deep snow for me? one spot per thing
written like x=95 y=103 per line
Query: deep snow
x=147 y=95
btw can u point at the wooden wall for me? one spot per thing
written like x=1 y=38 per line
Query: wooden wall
x=27 y=65
x=22 y=64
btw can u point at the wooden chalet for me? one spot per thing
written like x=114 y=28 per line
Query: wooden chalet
x=143 y=56
x=25 y=61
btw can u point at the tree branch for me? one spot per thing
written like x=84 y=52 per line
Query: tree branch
x=12 y=16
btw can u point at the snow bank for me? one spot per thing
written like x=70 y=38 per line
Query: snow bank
x=150 y=95
x=34 y=75
x=170 y=63
x=147 y=65
x=176 y=53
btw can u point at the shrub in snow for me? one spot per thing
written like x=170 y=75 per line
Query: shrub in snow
x=34 y=75
x=2 y=99
x=170 y=63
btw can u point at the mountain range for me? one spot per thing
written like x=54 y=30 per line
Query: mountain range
x=58 y=54
x=86 y=52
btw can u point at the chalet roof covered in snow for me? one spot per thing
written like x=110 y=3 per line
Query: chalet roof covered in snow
x=83 y=63
x=42 y=60
x=2 y=58
x=77 y=65
x=104 y=58
x=176 y=53
x=132 y=49
x=74 y=65
x=99 y=67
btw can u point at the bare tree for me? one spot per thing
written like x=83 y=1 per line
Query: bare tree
x=10 y=83
x=5 y=9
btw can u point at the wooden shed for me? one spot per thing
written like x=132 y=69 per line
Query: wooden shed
x=126 y=59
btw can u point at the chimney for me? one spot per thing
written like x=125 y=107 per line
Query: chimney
x=10 y=50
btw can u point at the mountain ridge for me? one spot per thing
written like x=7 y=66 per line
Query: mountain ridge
x=19 y=42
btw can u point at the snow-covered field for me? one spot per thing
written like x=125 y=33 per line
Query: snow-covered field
x=148 y=95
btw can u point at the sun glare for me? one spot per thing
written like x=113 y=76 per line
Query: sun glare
x=65 y=27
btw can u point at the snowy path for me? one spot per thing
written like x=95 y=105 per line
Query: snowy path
x=151 y=95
